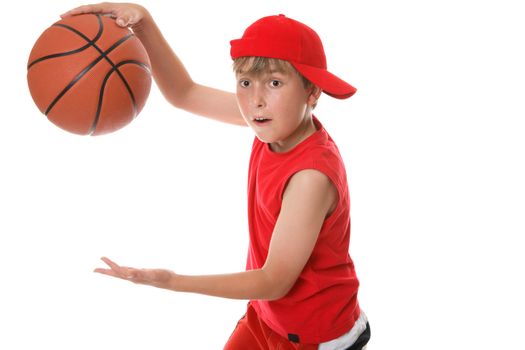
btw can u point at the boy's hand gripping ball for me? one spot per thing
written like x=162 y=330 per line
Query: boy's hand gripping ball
x=88 y=75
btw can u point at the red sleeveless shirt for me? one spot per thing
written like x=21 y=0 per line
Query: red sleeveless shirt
x=322 y=305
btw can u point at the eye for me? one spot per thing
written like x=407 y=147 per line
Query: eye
x=275 y=83
x=244 y=83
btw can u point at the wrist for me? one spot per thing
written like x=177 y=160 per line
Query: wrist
x=142 y=26
x=173 y=282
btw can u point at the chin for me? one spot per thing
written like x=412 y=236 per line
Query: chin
x=263 y=139
x=266 y=137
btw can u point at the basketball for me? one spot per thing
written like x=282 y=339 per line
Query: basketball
x=88 y=75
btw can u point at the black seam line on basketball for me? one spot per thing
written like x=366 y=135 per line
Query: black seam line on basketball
x=103 y=87
x=82 y=35
x=83 y=72
x=91 y=42
x=62 y=54
x=102 y=53
x=115 y=68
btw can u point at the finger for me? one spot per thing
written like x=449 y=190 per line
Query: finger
x=123 y=21
x=95 y=8
x=118 y=270
x=127 y=18
x=122 y=271
x=107 y=272
x=111 y=264
x=125 y=275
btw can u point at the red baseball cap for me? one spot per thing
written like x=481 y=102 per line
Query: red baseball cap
x=287 y=39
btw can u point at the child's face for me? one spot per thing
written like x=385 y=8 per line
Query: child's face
x=276 y=105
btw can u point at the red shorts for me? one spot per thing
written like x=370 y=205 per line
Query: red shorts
x=253 y=334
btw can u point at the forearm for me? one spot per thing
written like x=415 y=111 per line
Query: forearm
x=176 y=84
x=168 y=71
x=249 y=285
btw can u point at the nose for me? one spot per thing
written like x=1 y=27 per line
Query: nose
x=258 y=97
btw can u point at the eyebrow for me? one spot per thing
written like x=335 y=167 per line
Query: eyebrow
x=271 y=71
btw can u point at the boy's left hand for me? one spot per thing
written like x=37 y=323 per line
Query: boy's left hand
x=154 y=277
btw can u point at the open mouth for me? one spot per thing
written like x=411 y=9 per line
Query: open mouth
x=261 y=120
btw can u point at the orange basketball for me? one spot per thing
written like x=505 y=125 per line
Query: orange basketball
x=88 y=75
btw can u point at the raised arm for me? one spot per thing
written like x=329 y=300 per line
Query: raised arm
x=169 y=73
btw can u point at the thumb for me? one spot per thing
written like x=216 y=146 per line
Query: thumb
x=123 y=21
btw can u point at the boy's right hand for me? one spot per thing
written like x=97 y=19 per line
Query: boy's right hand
x=125 y=14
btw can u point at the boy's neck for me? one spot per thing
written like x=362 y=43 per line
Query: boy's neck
x=303 y=131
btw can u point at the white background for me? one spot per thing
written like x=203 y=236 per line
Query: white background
x=434 y=147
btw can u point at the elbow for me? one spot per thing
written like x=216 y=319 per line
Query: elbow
x=277 y=293
x=178 y=96
x=176 y=99
x=277 y=287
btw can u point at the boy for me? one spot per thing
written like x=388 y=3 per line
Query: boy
x=300 y=279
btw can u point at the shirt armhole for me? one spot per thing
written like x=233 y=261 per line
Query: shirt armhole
x=295 y=171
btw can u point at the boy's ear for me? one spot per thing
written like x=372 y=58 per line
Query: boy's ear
x=314 y=95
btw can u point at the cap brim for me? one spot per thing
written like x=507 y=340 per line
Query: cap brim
x=329 y=83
